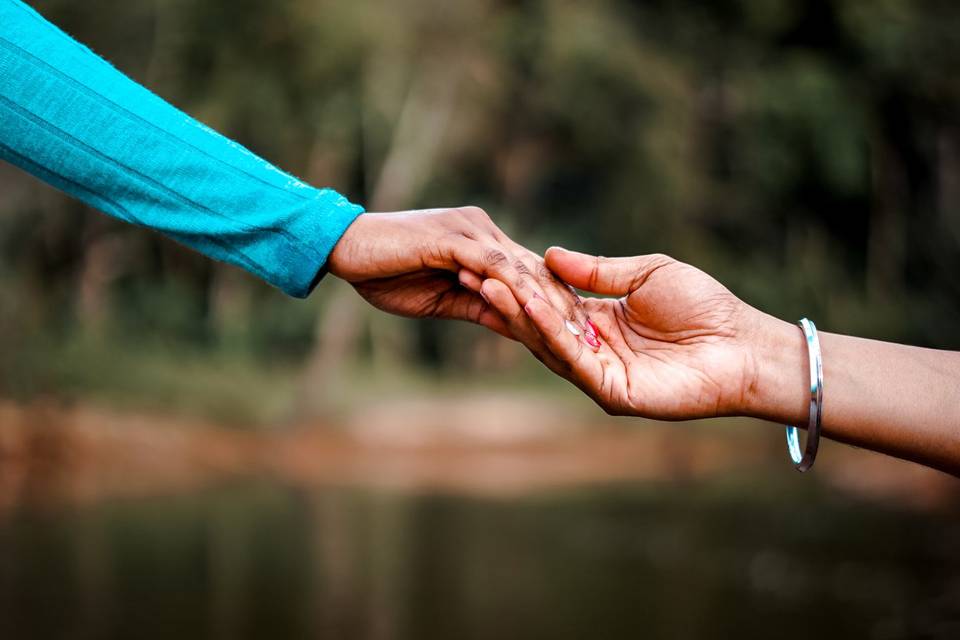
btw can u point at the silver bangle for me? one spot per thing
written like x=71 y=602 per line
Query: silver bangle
x=803 y=461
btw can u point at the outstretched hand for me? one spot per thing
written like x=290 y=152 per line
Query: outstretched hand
x=424 y=263
x=676 y=343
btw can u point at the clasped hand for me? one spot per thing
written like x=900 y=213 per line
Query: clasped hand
x=417 y=263
x=673 y=344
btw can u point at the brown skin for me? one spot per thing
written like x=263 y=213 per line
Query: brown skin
x=679 y=345
x=407 y=263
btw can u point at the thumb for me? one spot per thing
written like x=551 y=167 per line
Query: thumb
x=606 y=276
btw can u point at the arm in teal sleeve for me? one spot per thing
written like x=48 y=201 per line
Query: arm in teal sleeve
x=71 y=119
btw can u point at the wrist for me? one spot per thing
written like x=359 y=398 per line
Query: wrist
x=343 y=259
x=778 y=389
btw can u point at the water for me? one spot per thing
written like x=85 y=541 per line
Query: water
x=257 y=559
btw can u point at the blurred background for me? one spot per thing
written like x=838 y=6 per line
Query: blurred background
x=184 y=452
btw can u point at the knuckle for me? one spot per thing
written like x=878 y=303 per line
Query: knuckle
x=651 y=263
x=594 y=273
x=544 y=273
x=521 y=268
x=493 y=257
x=473 y=213
x=658 y=260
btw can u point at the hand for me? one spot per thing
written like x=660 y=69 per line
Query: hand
x=677 y=344
x=424 y=264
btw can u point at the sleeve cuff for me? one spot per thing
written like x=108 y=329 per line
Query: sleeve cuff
x=318 y=231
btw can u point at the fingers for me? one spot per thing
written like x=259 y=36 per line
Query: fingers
x=492 y=260
x=500 y=298
x=470 y=280
x=562 y=297
x=583 y=365
x=567 y=302
x=515 y=319
x=606 y=276
x=478 y=249
x=490 y=319
x=467 y=305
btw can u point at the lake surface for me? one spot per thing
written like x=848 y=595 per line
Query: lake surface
x=719 y=558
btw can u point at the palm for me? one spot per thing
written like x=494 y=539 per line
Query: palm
x=674 y=343
x=671 y=350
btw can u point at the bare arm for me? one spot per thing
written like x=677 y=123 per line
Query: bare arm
x=892 y=398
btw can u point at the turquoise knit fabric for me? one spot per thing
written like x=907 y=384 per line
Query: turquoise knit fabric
x=71 y=119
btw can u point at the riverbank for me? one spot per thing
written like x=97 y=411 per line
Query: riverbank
x=489 y=443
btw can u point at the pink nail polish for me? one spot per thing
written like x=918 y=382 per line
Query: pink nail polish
x=592 y=340
x=592 y=336
x=592 y=328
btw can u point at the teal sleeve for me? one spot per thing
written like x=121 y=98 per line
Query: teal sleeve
x=71 y=119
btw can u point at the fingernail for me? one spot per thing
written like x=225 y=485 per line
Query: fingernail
x=592 y=340
x=592 y=335
x=592 y=328
x=572 y=328
x=484 y=297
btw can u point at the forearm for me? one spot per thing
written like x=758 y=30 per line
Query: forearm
x=74 y=121
x=899 y=400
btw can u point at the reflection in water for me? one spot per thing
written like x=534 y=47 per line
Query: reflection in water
x=260 y=560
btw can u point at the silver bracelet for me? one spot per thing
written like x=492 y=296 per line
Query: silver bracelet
x=803 y=461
